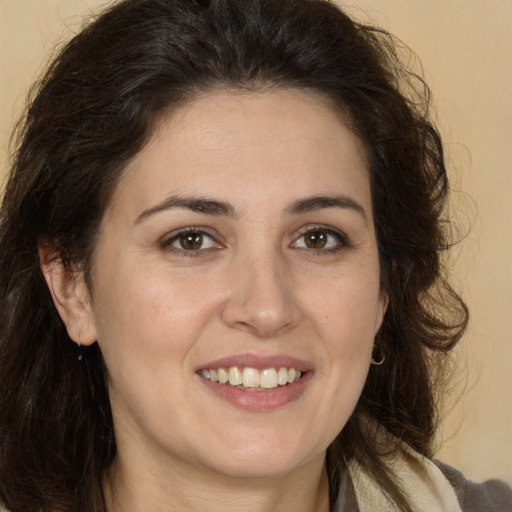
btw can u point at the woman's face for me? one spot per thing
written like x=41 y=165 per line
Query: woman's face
x=239 y=244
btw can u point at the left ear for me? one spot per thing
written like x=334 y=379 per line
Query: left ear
x=383 y=306
x=70 y=296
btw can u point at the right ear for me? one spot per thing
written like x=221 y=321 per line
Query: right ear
x=70 y=296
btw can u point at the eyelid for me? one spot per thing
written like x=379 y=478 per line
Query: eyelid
x=336 y=233
x=169 y=238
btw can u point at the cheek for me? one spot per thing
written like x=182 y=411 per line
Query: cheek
x=146 y=330
x=348 y=307
x=347 y=316
x=145 y=313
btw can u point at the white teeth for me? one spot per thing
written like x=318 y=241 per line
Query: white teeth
x=251 y=378
x=235 y=376
x=282 y=376
x=268 y=378
x=223 y=375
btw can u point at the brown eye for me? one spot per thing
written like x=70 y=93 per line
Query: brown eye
x=190 y=241
x=323 y=240
x=315 y=239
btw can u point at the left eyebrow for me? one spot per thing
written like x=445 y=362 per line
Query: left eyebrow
x=310 y=204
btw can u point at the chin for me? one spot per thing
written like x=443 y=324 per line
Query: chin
x=254 y=461
x=260 y=468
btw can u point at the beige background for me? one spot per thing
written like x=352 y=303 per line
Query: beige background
x=465 y=49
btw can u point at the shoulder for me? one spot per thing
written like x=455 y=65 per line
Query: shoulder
x=488 y=496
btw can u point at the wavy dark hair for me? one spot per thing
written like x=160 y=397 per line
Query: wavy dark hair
x=95 y=109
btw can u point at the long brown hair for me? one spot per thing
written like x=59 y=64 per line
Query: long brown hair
x=94 y=110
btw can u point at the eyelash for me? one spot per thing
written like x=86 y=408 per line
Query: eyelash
x=167 y=243
x=341 y=240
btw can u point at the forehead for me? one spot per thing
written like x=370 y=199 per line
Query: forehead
x=223 y=142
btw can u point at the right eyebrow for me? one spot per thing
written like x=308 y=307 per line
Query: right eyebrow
x=196 y=204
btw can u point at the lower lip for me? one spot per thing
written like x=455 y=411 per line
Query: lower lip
x=259 y=401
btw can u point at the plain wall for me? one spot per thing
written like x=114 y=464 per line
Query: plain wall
x=465 y=49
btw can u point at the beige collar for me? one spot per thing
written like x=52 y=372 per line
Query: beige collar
x=421 y=480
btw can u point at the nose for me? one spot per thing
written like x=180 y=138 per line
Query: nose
x=261 y=298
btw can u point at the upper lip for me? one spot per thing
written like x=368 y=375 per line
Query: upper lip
x=257 y=362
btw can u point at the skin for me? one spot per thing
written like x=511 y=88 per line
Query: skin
x=255 y=286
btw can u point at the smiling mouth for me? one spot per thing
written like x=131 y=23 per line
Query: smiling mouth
x=251 y=379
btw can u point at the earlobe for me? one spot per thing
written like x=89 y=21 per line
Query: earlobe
x=70 y=296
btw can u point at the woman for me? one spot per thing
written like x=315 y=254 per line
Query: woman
x=220 y=270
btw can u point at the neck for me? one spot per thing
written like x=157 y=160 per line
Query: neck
x=134 y=489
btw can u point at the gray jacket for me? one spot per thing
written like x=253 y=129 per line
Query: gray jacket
x=488 y=496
